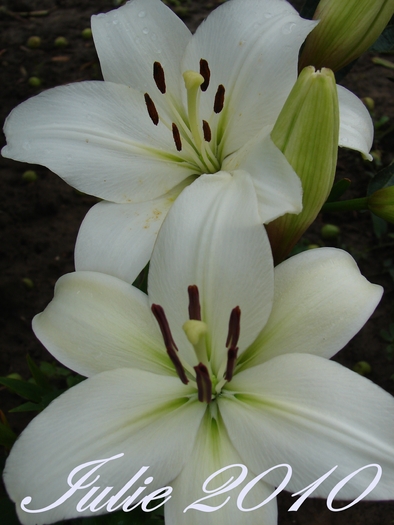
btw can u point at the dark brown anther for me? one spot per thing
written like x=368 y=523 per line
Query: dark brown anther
x=194 y=303
x=159 y=78
x=231 y=360
x=205 y=73
x=234 y=326
x=151 y=109
x=219 y=99
x=207 y=131
x=177 y=136
x=204 y=383
x=169 y=342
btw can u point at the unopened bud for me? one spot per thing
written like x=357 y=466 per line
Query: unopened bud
x=381 y=203
x=346 y=29
x=307 y=133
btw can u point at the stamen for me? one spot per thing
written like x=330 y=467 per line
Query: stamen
x=204 y=383
x=206 y=73
x=231 y=360
x=177 y=136
x=169 y=342
x=219 y=99
x=159 y=78
x=207 y=131
x=194 y=303
x=151 y=109
x=234 y=326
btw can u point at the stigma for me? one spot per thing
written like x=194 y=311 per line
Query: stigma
x=207 y=384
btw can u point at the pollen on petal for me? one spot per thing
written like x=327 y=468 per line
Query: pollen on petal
x=219 y=99
x=151 y=109
x=159 y=78
x=206 y=73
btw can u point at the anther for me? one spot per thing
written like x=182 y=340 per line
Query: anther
x=206 y=73
x=159 y=78
x=169 y=342
x=219 y=99
x=231 y=360
x=204 y=383
x=194 y=303
x=234 y=326
x=177 y=137
x=151 y=109
x=207 y=131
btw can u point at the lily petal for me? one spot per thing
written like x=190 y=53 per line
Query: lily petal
x=110 y=229
x=99 y=138
x=278 y=187
x=321 y=301
x=139 y=416
x=97 y=322
x=313 y=414
x=356 y=126
x=259 y=39
x=213 y=451
x=138 y=34
x=224 y=240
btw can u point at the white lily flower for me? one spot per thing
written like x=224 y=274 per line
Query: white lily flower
x=242 y=377
x=172 y=107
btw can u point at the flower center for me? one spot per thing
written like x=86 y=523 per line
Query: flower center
x=197 y=141
x=208 y=385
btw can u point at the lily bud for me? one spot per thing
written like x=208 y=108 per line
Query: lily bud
x=346 y=29
x=307 y=133
x=381 y=203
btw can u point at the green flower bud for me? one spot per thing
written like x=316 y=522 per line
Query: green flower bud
x=346 y=30
x=33 y=42
x=29 y=176
x=34 y=82
x=381 y=203
x=307 y=133
x=86 y=33
x=363 y=368
x=330 y=231
x=60 y=41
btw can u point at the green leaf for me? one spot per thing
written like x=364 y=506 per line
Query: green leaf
x=338 y=190
x=37 y=374
x=383 y=179
x=24 y=389
x=385 y=43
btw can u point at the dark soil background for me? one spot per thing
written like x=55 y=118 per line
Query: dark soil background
x=39 y=220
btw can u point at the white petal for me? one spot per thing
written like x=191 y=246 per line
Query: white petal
x=252 y=49
x=356 y=126
x=99 y=137
x=118 y=239
x=222 y=248
x=213 y=451
x=130 y=39
x=147 y=418
x=97 y=322
x=313 y=414
x=277 y=186
x=321 y=301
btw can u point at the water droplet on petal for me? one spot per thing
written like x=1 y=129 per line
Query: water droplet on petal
x=115 y=22
x=154 y=37
x=288 y=28
x=142 y=14
x=137 y=40
x=268 y=15
x=145 y=30
x=26 y=145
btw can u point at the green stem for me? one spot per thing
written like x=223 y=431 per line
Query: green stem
x=350 y=205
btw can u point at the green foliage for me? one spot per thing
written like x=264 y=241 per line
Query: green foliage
x=385 y=43
x=388 y=336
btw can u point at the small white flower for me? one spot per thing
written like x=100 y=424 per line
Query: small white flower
x=238 y=373
x=173 y=107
